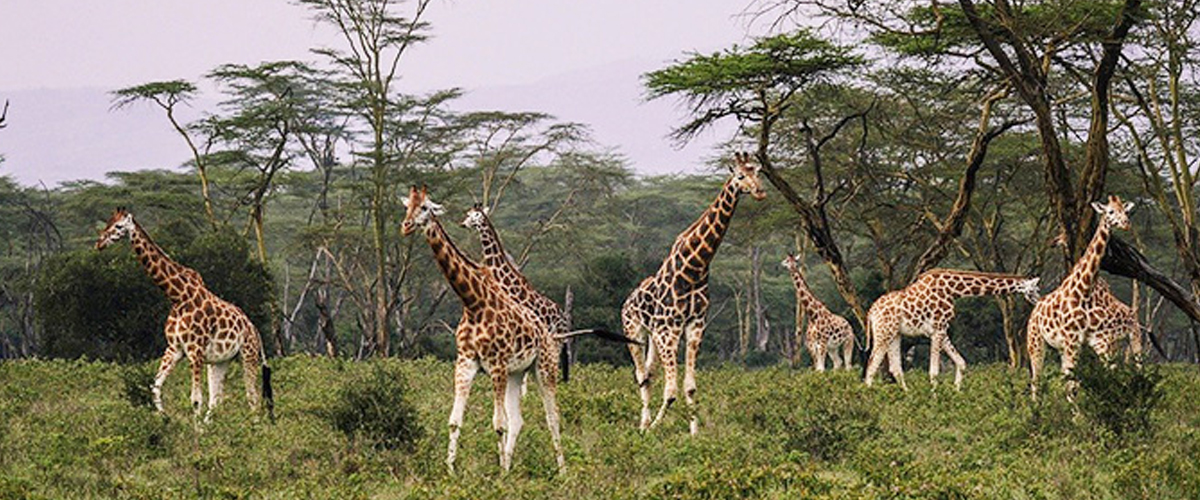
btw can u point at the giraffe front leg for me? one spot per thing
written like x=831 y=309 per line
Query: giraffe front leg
x=879 y=341
x=694 y=335
x=169 y=358
x=464 y=372
x=848 y=352
x=216 y=382
x=819 y=354
x=668 y=355
x=1069 y=353
x=832 y=352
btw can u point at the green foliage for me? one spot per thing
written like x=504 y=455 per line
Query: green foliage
x=375 y=409
x=138 y=380
x=66 y=431
x=1119 y=396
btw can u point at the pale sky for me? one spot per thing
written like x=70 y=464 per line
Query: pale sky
x=477 y=44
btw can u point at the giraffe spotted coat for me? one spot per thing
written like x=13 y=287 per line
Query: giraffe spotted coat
x=826 y=332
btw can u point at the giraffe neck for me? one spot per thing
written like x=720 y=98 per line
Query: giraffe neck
x=1083 y=274
x=170 y=276
x=464 y=275
x=493 y=250
x=955 y=284
x=696 y=246
x=809 y=302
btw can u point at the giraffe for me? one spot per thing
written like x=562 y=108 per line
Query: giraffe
x=201 y=326
x=505 y=271
x=495 y=333
x=925 y=308
x=674 y=301
x=1064 y=318
x=826 y=330
x=1111 y=322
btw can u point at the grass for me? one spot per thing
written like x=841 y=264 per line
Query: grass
x=68 y=429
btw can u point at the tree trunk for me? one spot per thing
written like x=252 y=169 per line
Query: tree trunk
x=762 y=332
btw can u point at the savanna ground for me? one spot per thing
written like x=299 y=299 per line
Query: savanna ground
x=73 y=429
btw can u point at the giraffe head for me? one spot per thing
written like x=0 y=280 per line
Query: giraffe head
x=1115 y=213
x=745 y=176
x=476 y=217
x=119 y=225
x=793 y=266
x=420 y=210
x=1029 y=288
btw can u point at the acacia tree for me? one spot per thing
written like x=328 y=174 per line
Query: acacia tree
x=169 y=95
x=365 y=71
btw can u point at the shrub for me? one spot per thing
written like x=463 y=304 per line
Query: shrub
x=1119 y=396
x=137 y=381
x=375 y=408
x=828 y=432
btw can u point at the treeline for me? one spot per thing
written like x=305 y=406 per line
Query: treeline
x=928 y=152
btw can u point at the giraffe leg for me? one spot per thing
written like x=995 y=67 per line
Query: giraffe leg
x=936 y=341
x=643 y=365
x=881 y=336
x=464 y=372
x=499 y=415
x=694 y=335
x=894 y=365
x=1035 y=347
x=165 y=366
x=1135 y=345
x=251 y=366
x=547 y=377
x=512 y=410
x=216 y=383
x=668 y=349
x=832 y=352
x=819 y=356
x=195 y=356
x=814 y=353
x=960 y=364
x=848 y=353
x=1069 y=352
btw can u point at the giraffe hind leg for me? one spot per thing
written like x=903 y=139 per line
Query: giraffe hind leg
x=547 y=384
x=216 y=386
x=694 y=335
x=169 y=359
x=512 y=411
x=464 y=372
x=960 y=365
x=669 y=357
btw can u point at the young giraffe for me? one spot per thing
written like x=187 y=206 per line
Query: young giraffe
x=826 y=330
x=512 y=281
x=202 y=326
x=1064 y=318
x=495 y=332
x=675 y=299
x=925 y=308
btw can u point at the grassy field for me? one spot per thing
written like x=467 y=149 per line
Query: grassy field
x=73 y=430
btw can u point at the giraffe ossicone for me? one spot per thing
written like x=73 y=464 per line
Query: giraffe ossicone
x=207 y=329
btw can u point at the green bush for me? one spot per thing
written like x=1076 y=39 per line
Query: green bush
x=1118 y=396
x=137 y=380
x=375 y=408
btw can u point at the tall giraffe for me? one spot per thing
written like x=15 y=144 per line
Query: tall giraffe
x=519 y=288
x=1062 y=319
x=674 y=300
x=925 y=308
x=202 y=326
x=495 y=333
x=826 y=330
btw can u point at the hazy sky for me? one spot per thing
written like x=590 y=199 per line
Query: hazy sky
x=109 y=44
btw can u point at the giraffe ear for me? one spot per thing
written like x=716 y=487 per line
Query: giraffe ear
x=1128 y=207
x=487 y=210
x=436 y=209
x=1098 y=207
x=404 y=200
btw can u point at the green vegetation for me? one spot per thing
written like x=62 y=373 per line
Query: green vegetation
x=67 y=430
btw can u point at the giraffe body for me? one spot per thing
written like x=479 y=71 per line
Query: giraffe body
x=827 y=332
x=674 y=301
x=495 y=333
x=925 y=308
x=1079 y=310
x=206 y=329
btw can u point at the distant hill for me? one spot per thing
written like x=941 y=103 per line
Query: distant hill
x=55 y=135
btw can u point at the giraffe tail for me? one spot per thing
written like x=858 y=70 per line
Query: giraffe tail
x=564 y=362
x=268 y=393
x=601 y=333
